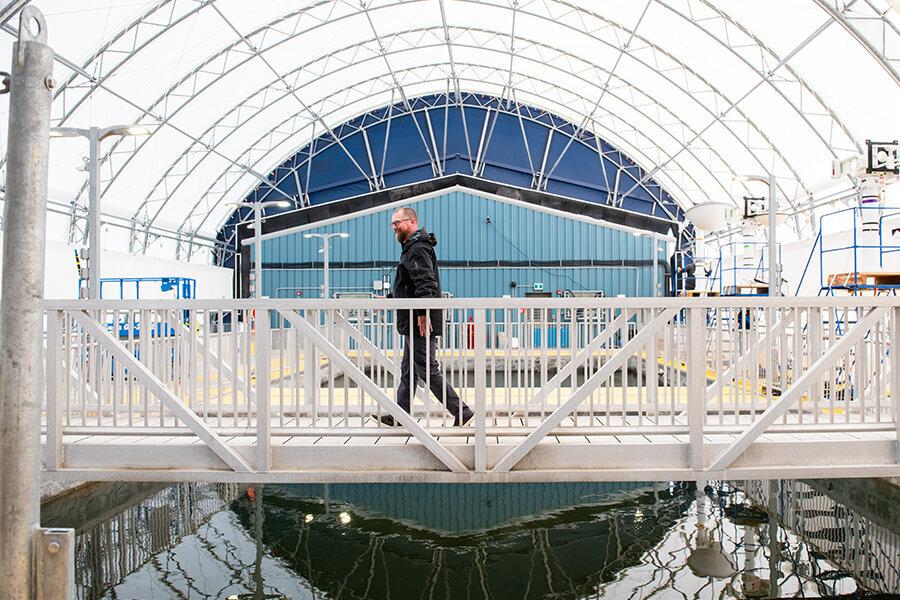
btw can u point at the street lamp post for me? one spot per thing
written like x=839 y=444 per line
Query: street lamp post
x=326 y=243
x=258 y=208
x=774 y=263
x=94 y=136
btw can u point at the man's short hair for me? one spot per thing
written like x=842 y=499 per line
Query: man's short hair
x=407 y=213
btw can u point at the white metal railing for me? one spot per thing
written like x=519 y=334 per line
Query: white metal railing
x=528 y=367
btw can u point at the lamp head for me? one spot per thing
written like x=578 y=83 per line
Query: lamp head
x=137 y=130
x=747 y=178
x=61 y=132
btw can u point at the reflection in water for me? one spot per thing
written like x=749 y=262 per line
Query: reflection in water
x=342 y=550
x=400 y=541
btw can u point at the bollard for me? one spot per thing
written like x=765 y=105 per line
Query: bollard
x=21 y=318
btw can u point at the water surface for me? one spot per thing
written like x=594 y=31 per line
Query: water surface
x=498 y=541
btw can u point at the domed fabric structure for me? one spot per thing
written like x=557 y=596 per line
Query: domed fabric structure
x=687 y=93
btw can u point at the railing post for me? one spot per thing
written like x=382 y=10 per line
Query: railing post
x=895 y=377
x=263 y=405
x=480 y=390
x=696 y=385
x=54 y=456
x=311 y=373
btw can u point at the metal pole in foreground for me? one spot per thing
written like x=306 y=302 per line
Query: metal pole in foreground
x=326 y=242
x=257 y=251
x=774 y=266
x=21 y=321
x=94 y=215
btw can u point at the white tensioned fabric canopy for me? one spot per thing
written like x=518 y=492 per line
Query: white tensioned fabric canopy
x=695 y=92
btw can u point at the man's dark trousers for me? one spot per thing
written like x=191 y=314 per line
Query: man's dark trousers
x=439 y=387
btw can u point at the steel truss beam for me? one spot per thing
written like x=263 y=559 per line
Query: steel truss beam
x=739 y=39
x=561 y=55
x=647 y=330
x=255 y=145
x=334 y=57
x=215 y=443
x=793 y=394
x=334 y=354
x=168 y=13
x=884 y=47
x=631 y=153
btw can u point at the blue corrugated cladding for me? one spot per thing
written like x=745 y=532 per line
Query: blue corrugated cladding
x=585 y=169
x=471 y=230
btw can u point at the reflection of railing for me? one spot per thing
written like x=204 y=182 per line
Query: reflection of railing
x=529 y=368
x=851 y=541
x=111 y=550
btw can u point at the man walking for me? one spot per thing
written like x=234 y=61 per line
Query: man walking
x=417 y=277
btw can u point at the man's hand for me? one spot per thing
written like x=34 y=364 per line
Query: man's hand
x=424 y=325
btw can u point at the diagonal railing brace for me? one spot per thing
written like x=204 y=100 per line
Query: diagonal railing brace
x=166 y=398
x=796 y=391
x=608 y=331
x=513 y=457
x=369 y=387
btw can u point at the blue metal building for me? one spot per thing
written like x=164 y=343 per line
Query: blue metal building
x=488 y=246
x=487 y=139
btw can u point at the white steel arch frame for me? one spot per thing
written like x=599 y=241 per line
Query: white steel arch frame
x=639 y=155
x=383 y=54
x=252 y=99
x=856 y=17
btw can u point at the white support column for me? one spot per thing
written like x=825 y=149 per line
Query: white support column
x=263 y=404
x=696 y=384
x=895 y=376
x=311 y=377
x=54 y=452
x=480 y=390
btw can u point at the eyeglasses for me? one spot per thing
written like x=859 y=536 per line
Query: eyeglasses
x=398 y=221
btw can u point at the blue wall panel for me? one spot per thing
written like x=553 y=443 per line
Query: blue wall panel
x=471 y=230
x=581 y=174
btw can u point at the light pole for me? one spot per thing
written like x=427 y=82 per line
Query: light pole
x=326 y=242
x=774 y=263
x=95 y=135
x=257 y=208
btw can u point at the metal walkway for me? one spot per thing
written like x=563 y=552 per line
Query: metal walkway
x=563 y=390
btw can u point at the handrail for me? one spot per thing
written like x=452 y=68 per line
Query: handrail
x=468 y=303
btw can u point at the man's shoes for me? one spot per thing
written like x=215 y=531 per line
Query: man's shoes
x=385 y=420
x=467 y=415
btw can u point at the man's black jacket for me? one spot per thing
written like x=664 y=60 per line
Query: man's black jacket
x=417 y=277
